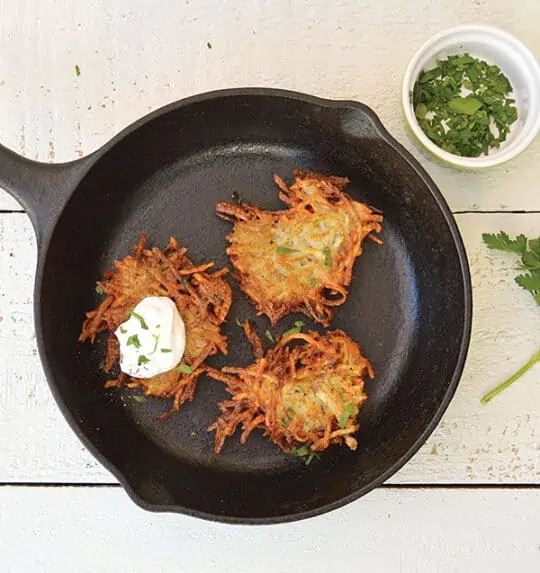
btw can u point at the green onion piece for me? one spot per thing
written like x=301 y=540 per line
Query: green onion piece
x=140 y=399
x=238 y=323
x=346 y=415
x=268 y=335
x=166 y=350
x=99 y=290
x=123 y=330
x=77 y=70
x=327 y=257
x=101 y=365
x=312 y=282
x=139 y=318
x=143 y=360
x=133 y=340
x=467 y=105
x=295 y=329
x=185 y=369
x=285 y=251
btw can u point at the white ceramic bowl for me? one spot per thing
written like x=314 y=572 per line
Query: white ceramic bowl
x=496 y=47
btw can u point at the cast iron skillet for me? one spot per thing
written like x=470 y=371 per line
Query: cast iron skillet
x=409 y=306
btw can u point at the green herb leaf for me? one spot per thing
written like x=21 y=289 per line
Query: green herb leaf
x=133 y=340
x=101 y=365
x=466 y=105
x=327 y=257
x=185 y=369
x=99 y=290
x=312 y=282
x=295 y=329
x=268 y=335
x=421 y=110
x=502 y=242
x=77 y=70
x=123 y=330
x=349 y=409
x=285 y=251
x=140 y=319
x=304 y=452
x=140 y=399
x=166 y=350
x=209 y=45
x=530 y=281
x=143 y=360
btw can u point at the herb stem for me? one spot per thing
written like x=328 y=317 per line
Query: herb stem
x=527 y=366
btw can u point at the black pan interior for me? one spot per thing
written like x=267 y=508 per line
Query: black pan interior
x=407 y=306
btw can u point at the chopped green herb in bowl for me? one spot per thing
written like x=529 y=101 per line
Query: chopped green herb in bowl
x=464 y=105
x=471 y=96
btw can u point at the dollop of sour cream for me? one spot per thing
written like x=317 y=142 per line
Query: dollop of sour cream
x=153 y=339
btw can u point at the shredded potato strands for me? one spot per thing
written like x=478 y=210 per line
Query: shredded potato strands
x=299 y=259
x=308 y=394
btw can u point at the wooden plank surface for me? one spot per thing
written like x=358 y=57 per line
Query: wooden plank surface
x=134 y=58
x=62 y=530
x=497 y=443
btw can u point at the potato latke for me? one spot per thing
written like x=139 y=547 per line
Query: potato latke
x=309 y=394
x=203 y=300
x=299 y=259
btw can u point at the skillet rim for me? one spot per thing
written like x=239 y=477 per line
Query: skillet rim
x=385 y=136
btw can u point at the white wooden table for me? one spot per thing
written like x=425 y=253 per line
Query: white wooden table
x=470 y=499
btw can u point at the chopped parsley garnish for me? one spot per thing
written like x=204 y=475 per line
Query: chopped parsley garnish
x=143 y=360
x=77 y=70
x=156 y=340
x=349 y=409
x=133 y=340
x=209 y=45
x=101 y=365
x=327 y=257
x=285 y=250
x=269 y=335
x=295 y=329
x=304 y=452
x=166 y=350
x=464 y=106
x=140 y=399
x=99 y=290
x=140 y=319
x=312 y=282
x=238 y=323
x=123 y=330
x=184 y=368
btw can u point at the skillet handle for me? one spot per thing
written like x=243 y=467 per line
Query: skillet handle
x=42 y=189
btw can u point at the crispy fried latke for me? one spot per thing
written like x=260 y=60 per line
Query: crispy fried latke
x=307 y=394
x=203 y=300
x=299 y=259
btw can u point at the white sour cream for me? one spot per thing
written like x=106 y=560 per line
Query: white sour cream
x=153 y=339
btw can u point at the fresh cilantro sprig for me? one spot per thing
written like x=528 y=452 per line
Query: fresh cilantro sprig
x=529 y=252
